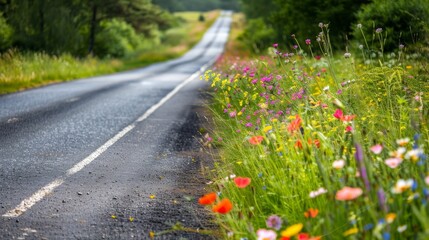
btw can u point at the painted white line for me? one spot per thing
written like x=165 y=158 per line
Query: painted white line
x=44 y=191
x=37 y=196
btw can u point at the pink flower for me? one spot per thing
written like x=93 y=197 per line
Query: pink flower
x=349 y=128
x=275 y=45
x=338 y=114
x=376 y=149
x=348 y=193
x=307 y=41
x=264 y=234
x=393 y=162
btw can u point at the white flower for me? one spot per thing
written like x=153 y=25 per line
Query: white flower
x=338 y=164
x=402 y=228
x=402 y=185
x=414 y=154
x=318 y=192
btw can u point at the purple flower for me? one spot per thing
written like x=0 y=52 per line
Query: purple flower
x=307 y=41
x=295 y=46
x=361 y=163
x=274 y=221
x=275 y=45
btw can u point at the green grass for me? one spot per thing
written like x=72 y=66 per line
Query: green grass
x=384 y=101
x=19 y=71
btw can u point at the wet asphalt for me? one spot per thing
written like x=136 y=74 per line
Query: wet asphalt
x=147 y=181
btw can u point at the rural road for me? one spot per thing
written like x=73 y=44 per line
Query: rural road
x=110 y=157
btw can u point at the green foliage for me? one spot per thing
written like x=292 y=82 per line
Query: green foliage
x=403 y=22
x=6 y=32
x=257 y=35
x=116 y=39
x=197 y=5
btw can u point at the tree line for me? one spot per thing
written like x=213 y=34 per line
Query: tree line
x=80 y=27
x=269 y=21
x=197 y=5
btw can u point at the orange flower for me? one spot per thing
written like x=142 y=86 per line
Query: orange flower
x=255 y=140
x=223 y=207
x=242 y=182
x=298 y=144
x=295 y=124
x=348 y=193
x=311 y=213
x=208 y=199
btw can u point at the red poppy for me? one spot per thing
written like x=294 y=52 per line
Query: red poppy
x=223 y=207
x=255 y=140
x=208 y=199
x=303 y=236
x=311 y=213
x=295 y=124
x=242 y=182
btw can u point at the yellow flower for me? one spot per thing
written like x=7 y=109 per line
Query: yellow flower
x=409 y=67
x=152 y=235
x=292 y=230
x=390 y=217
x=351 y=231
x=267 y=129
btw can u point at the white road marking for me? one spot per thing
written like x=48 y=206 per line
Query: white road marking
x=46 y=190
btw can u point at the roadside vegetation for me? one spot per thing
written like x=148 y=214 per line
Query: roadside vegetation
x=320 y=141
x=39 y=46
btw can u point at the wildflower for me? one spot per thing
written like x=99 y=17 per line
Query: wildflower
x=152 y=235
x=402 y=228
x=295 y=46
x=408 y=67
x=390 y=217
x=351 y=231
x=399 y=153
x=348 y=193
x=326 y=88
x=349 y=128
x=223 y=207
x=294 y=124
x=208 y=199
x=241 y=182
x=401 y=46
x=311 y=213
x=274 y=221
x=347 y=55
x=255 y=140
x=376 y=149
x=360 y=46
x=402 y=185
x=275 y=45
x=232 y=114
x=264 y=234
x=393 y=162
x=338 y=164
x=362 y=168
x=359 y=26
x=338 y=114
x=267 y=129
x=403 y=141
x=318 y=192
x=292 y=230
x=308 y=41
x=427 y=180
x=378 y=30
x=321 y=25
x=414 y=154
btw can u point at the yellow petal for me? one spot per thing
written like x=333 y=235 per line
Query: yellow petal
x=351 y=231
x=292 y=230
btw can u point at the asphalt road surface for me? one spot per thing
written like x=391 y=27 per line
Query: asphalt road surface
x=110 y=157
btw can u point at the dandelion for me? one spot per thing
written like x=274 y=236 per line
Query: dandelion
x=292 y=230
x=242 y=182
x=321 y=25
x=348 y=193
x=359 y=25
x=208 y=199
x=256 y=140
x=402 y=186
x=379 y=30
x=274 y=221
x=347 y=55
x=264 y=234
x=360 y=46
x=376 y=149
x=338 y=164
x=393 y=162
x=311 y=213
x=223 y=207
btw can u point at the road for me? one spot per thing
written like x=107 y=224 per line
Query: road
x=110 y=157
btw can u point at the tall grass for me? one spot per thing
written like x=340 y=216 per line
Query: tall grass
x=334 y=148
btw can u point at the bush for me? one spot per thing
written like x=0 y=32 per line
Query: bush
x=258 y=35
x=401 y=22
x=116 y=39
x=5 y=34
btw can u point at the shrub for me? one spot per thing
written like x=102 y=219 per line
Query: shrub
x=5 y=34
x=258 y=35
x=403 y=21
